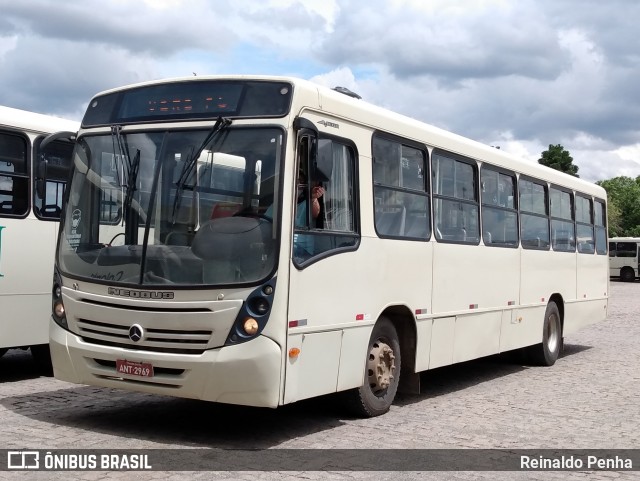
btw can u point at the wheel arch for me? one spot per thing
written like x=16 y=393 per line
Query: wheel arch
x=558 y=299
x=404 y=322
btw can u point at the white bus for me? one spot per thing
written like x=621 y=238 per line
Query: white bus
x=31 y=184
x=624 y=257
x=366 y=248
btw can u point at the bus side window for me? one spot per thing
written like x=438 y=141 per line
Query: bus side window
x=14 y=175
x=334 y=226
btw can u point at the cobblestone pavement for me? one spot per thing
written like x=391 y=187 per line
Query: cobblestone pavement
x=588 y=400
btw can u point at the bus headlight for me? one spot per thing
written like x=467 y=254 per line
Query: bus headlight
x=253 y=315
x=259 y=305
x=250 y=326
x=58 y=311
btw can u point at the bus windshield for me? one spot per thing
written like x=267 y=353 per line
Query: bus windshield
x=173 y=207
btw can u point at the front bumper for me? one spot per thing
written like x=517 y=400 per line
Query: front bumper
x=247 y=374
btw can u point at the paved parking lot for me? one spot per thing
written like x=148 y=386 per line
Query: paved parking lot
x=588 y=400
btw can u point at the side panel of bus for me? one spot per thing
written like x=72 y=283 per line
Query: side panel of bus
x=335 y=313
x=31 y=186
x=26 y=264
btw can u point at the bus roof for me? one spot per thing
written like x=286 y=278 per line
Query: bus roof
x=34 y=122
x=339 y=105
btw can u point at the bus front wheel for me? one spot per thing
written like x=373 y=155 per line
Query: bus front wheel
x=382 y=372
x=546 y=353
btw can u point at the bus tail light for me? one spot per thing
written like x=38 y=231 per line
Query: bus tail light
x=58 y=311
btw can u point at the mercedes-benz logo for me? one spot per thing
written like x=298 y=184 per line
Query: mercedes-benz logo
x=136 y=333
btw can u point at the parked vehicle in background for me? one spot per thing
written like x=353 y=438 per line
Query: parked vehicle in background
x=624 y=257
x=32 y=181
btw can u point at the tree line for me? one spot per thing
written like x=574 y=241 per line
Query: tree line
x=623 y=193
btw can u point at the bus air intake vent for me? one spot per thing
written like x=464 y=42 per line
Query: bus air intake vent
x=346 y=91
x=177 y=341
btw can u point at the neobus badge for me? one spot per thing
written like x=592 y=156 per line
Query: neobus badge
x=140 y=294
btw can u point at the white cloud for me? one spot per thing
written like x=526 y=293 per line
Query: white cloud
x=326 y=9
x=520 y=74
x=7 y=44
x=342 y=77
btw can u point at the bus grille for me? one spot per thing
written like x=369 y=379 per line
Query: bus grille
x=178 y=341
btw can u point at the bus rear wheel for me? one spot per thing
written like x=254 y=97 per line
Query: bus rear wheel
x=382 y=372
x=627 y=275
x=547 y=352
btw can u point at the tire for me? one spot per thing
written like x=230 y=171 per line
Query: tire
x=382 y=373
x=3 y=351
x=42 y=357
x=547 y=352
x=627 y=275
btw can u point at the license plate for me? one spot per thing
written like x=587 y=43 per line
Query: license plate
x=140 y=369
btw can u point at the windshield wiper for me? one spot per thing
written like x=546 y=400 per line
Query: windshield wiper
x=133 y=166
x=189 y=165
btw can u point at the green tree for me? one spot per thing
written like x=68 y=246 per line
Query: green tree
x=624 y=205
x=559 y=159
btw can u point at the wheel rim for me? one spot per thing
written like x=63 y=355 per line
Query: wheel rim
x=553 y=333
x=381 y=367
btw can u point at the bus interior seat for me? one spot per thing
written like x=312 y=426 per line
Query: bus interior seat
x=179 y=238
x=586 y=248
x=224 y=209
x=416 y=226
x=6 y=207
x=51 y=210
x=454 y=234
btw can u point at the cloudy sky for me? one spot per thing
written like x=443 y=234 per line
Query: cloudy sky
x=519 y=74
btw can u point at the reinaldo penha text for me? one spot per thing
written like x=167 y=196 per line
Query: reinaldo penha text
x=576 y=462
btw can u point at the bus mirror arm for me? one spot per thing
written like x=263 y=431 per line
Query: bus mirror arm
x=65 y=135
x=301 y=123
x=40 y=187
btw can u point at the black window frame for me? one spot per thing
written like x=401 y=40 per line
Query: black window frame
x=591 y=223
x=572 y=221
x=23 y=177
x=522 y=213
x=601 y=229
x=495 y=207
x=320 y=232
x=447 y=198
x=380 y=186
